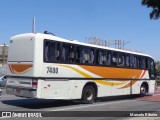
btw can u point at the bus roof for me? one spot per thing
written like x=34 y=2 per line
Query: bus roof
x=55 y=38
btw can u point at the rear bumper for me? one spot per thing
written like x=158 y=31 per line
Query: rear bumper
x=21 y=92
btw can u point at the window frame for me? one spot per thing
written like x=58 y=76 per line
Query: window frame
x=114 y=64
x=94 y=52
x=44 y=51
x=122 y=57
x=133 y=61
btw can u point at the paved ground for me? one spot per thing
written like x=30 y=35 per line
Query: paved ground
x=155 y=97
x=120 y=103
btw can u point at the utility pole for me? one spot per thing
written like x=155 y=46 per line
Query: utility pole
x=34 y=26
x=118 y=44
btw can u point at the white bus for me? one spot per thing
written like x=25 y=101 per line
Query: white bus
x=49 y=67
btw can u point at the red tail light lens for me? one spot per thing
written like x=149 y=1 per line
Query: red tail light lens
x=34 y=83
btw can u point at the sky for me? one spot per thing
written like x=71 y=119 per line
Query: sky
x=124 y=20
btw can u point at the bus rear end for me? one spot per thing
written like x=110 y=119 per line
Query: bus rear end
x=20 y=81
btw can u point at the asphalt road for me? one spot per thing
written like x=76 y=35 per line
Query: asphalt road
x=109 y=106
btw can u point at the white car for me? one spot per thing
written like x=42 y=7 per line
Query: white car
x=2 y=80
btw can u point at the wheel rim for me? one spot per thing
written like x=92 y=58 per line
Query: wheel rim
x=89 y=95
x=143 y=90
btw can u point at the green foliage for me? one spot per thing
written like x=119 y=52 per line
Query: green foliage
x=157 y=65
x=158 y=72
x=155 y=4
x=158 y=82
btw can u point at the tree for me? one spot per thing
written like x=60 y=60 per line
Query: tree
x=158 y=71
x=157 y=63
x=155 y=5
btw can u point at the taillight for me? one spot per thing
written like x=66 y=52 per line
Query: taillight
x=34 y=83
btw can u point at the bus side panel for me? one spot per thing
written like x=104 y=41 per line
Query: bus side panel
x=106 y=90
x=135 y=88
x=151 y=86
x=102 y=89
x=38 y=69
x=39 y=88
x=57 y=89
x=111 y=90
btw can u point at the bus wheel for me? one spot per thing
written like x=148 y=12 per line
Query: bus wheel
x=143 y=90
x=88 y=94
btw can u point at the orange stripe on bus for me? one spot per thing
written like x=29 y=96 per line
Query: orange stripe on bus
x=108 y=72
x=132 y=82
x=104 y=82
x=19 y=67
x=10 y=68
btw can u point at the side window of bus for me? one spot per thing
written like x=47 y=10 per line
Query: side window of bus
x=121 y=59
x=57 y=52
x=108 y=57
x=127 y=60
x=114 y=59
x=49 y=51
x=102 y=57
x=152 y=70
x=86 y=55
x=64 y=52
x=141 y=62
x=79 y=57
x=71 y=51
x=92 y=54
x=148 y=63
x=133 y=61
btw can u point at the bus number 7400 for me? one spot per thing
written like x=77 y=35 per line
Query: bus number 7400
x=52 y=70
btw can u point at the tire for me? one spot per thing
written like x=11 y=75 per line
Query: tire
x=88 y=95
x=143 y=90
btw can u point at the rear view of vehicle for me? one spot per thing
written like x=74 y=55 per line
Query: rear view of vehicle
x=20 y=66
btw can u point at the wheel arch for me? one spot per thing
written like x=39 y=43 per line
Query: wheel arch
x=146 y=85
x=93 y=84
